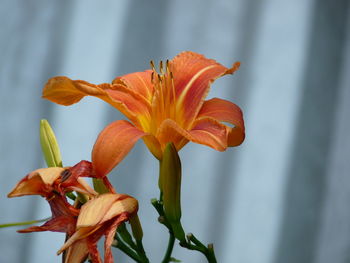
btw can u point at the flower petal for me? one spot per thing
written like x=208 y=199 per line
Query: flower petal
x=110 y=233
x=112 y=145
x=93 y=211
x=205 y=131
x=37 y=182
x=225 y=111
x=77 y=253
x=65 y=91
x=104 y=208
x=80 y=234
x=139 y=82
x=58 y=224
x=124 y=204
x=193 y=73
x=71 y=178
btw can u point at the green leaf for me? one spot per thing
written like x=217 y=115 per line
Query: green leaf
x=24 y=223
x=174 y=260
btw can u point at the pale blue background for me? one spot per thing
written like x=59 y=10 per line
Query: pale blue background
x=283 y=196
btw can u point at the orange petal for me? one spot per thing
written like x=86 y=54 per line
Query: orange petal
x=104 y=208
x=110 y=233
x=139 y=82
x=58 y=224
x=193 y=73
x=78 y=235
x=65 y=91
x=37 y=182
x=225 y=111
x=112 y=145
x=78 y=252
x=93 y=211
x=206 y=131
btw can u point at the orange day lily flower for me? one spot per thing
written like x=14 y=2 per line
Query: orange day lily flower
x=165 y=106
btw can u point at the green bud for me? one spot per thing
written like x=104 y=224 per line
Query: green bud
x=136 y=227
x=49 y=145
x=170 y=186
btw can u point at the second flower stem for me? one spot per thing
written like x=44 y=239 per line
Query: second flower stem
x=169 y=250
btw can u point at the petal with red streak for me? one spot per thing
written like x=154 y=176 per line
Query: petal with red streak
x=193 y=73
x=78 y=252
x=206 y=131
x=110 y=232
x=225 y=111
x=58 y=224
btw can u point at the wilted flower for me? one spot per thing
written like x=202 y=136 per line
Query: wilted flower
x=98 y=217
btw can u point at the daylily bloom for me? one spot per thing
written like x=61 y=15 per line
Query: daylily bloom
x=50 y=183
x=100 y=215
x=165 y=106
x=97 y=217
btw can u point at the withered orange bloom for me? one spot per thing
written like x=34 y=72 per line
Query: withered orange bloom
x=48 y=181
x=98 y=217
x=51 y=183
x=165 y=106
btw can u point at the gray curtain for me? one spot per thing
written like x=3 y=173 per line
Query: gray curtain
x=280 y=197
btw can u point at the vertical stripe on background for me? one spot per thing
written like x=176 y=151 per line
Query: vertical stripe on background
x=30 y=50
x=314 y=130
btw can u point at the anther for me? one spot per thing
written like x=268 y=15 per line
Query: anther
x=65 y=175
x=152 y=65
x=161 y=67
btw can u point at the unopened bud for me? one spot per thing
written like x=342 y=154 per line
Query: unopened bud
x=49 y=145
x=170 y=186
x=136 y=227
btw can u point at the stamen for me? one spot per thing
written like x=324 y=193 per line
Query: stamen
x=167 y=66
x=65 y=175
x=161 y=67
x=161 y=93
x=152 y=65
x=173 y=93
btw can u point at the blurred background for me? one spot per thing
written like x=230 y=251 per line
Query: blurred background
x=283 y=196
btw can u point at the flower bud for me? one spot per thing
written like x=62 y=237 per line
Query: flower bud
x=49 y=145
x=136 y=227
x=170 y=186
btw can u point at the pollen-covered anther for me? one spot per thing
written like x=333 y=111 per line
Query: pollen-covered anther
x=152 y=66
x=161 y=67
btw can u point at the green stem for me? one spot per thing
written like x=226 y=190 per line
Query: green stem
x=141 y=250
x=24 y=223
x=127 y=250
x=169 y=250
x=208 y=252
